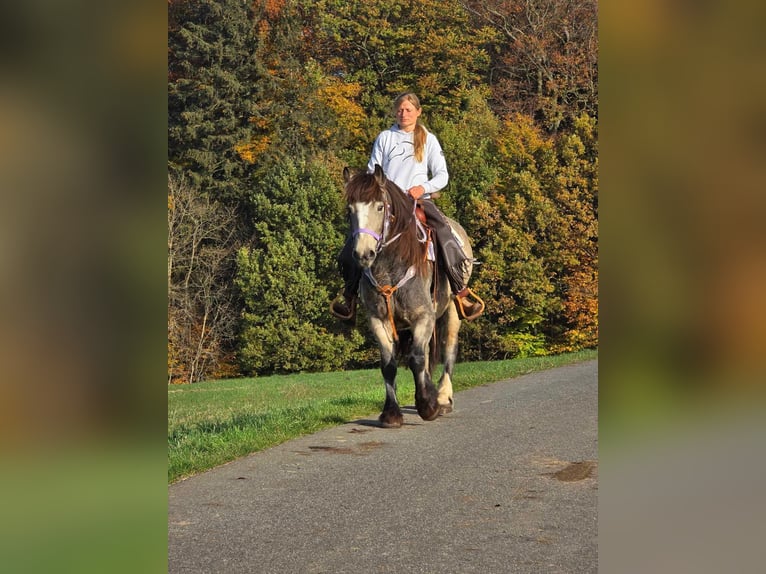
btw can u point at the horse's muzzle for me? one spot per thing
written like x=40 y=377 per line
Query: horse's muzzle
x=364 y=257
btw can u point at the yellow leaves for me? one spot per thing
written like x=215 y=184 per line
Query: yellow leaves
x=521 y=138
x=429 y=83
x=339 y=97
x=250 y=151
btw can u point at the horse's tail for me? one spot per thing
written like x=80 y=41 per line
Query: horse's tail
x=404 y=346
x=434 y=356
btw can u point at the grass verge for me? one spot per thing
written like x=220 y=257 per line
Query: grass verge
x=215 y=422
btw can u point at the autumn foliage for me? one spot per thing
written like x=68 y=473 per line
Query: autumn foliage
x=269 y=100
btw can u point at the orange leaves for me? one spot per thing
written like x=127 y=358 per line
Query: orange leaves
x=581 y=307
x=264 y=28
x=273 y=7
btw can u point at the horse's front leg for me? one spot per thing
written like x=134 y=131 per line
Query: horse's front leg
x=425 y=392
x=391 y=417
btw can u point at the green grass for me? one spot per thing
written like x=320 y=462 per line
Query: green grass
x=215 y=422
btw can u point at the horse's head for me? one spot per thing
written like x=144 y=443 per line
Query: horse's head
x=382 y=214
x=369 y=211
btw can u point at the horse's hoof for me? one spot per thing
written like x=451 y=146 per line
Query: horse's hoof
x=446 y=409
x=391 y=420
x=430 y=414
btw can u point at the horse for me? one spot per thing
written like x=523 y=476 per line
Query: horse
x=401 y=293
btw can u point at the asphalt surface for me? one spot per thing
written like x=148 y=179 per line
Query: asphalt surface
x=505 y=483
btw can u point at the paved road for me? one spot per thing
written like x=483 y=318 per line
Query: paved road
x=506 y=483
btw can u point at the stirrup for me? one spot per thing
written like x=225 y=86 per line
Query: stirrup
x=351 y=305
x=477 y=300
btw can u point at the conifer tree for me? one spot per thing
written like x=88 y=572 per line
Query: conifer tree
x=212 y=80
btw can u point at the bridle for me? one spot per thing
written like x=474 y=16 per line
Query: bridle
x=388 y=217
x=381 y=238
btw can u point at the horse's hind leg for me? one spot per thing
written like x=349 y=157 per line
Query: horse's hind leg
x=391 y=416
x=449 y=325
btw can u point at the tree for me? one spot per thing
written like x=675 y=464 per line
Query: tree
x=391 y=46
x=287 y=274
x=537 y=240
x=514 y=223
x=576 y=197
x=468 y=140
x=202 y=309
x=548 y=66
x=212 y=84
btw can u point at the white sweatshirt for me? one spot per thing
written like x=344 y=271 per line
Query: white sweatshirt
x=394 y=151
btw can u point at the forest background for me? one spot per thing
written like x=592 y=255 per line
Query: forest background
x=269 y=100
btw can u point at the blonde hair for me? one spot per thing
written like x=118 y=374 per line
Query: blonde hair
x=419 y=136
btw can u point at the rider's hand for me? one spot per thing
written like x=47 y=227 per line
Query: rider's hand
x=417 y=191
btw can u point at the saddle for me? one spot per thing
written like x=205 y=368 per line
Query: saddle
x=469 y=304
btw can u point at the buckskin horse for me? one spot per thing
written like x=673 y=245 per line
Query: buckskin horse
x=401 y=292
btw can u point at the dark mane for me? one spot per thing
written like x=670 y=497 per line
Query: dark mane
x=364 y=188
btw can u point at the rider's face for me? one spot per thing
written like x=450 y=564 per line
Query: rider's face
x=407 y=116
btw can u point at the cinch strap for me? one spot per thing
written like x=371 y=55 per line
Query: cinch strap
x=388 y=291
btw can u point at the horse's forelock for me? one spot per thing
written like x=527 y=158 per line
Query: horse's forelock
x=363 y=188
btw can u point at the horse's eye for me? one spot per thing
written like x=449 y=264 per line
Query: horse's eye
x=380 y=208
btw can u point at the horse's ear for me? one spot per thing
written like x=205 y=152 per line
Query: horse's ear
x=350 y=172
x=380 y=177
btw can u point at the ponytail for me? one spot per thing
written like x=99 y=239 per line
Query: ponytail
x=419 y=139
